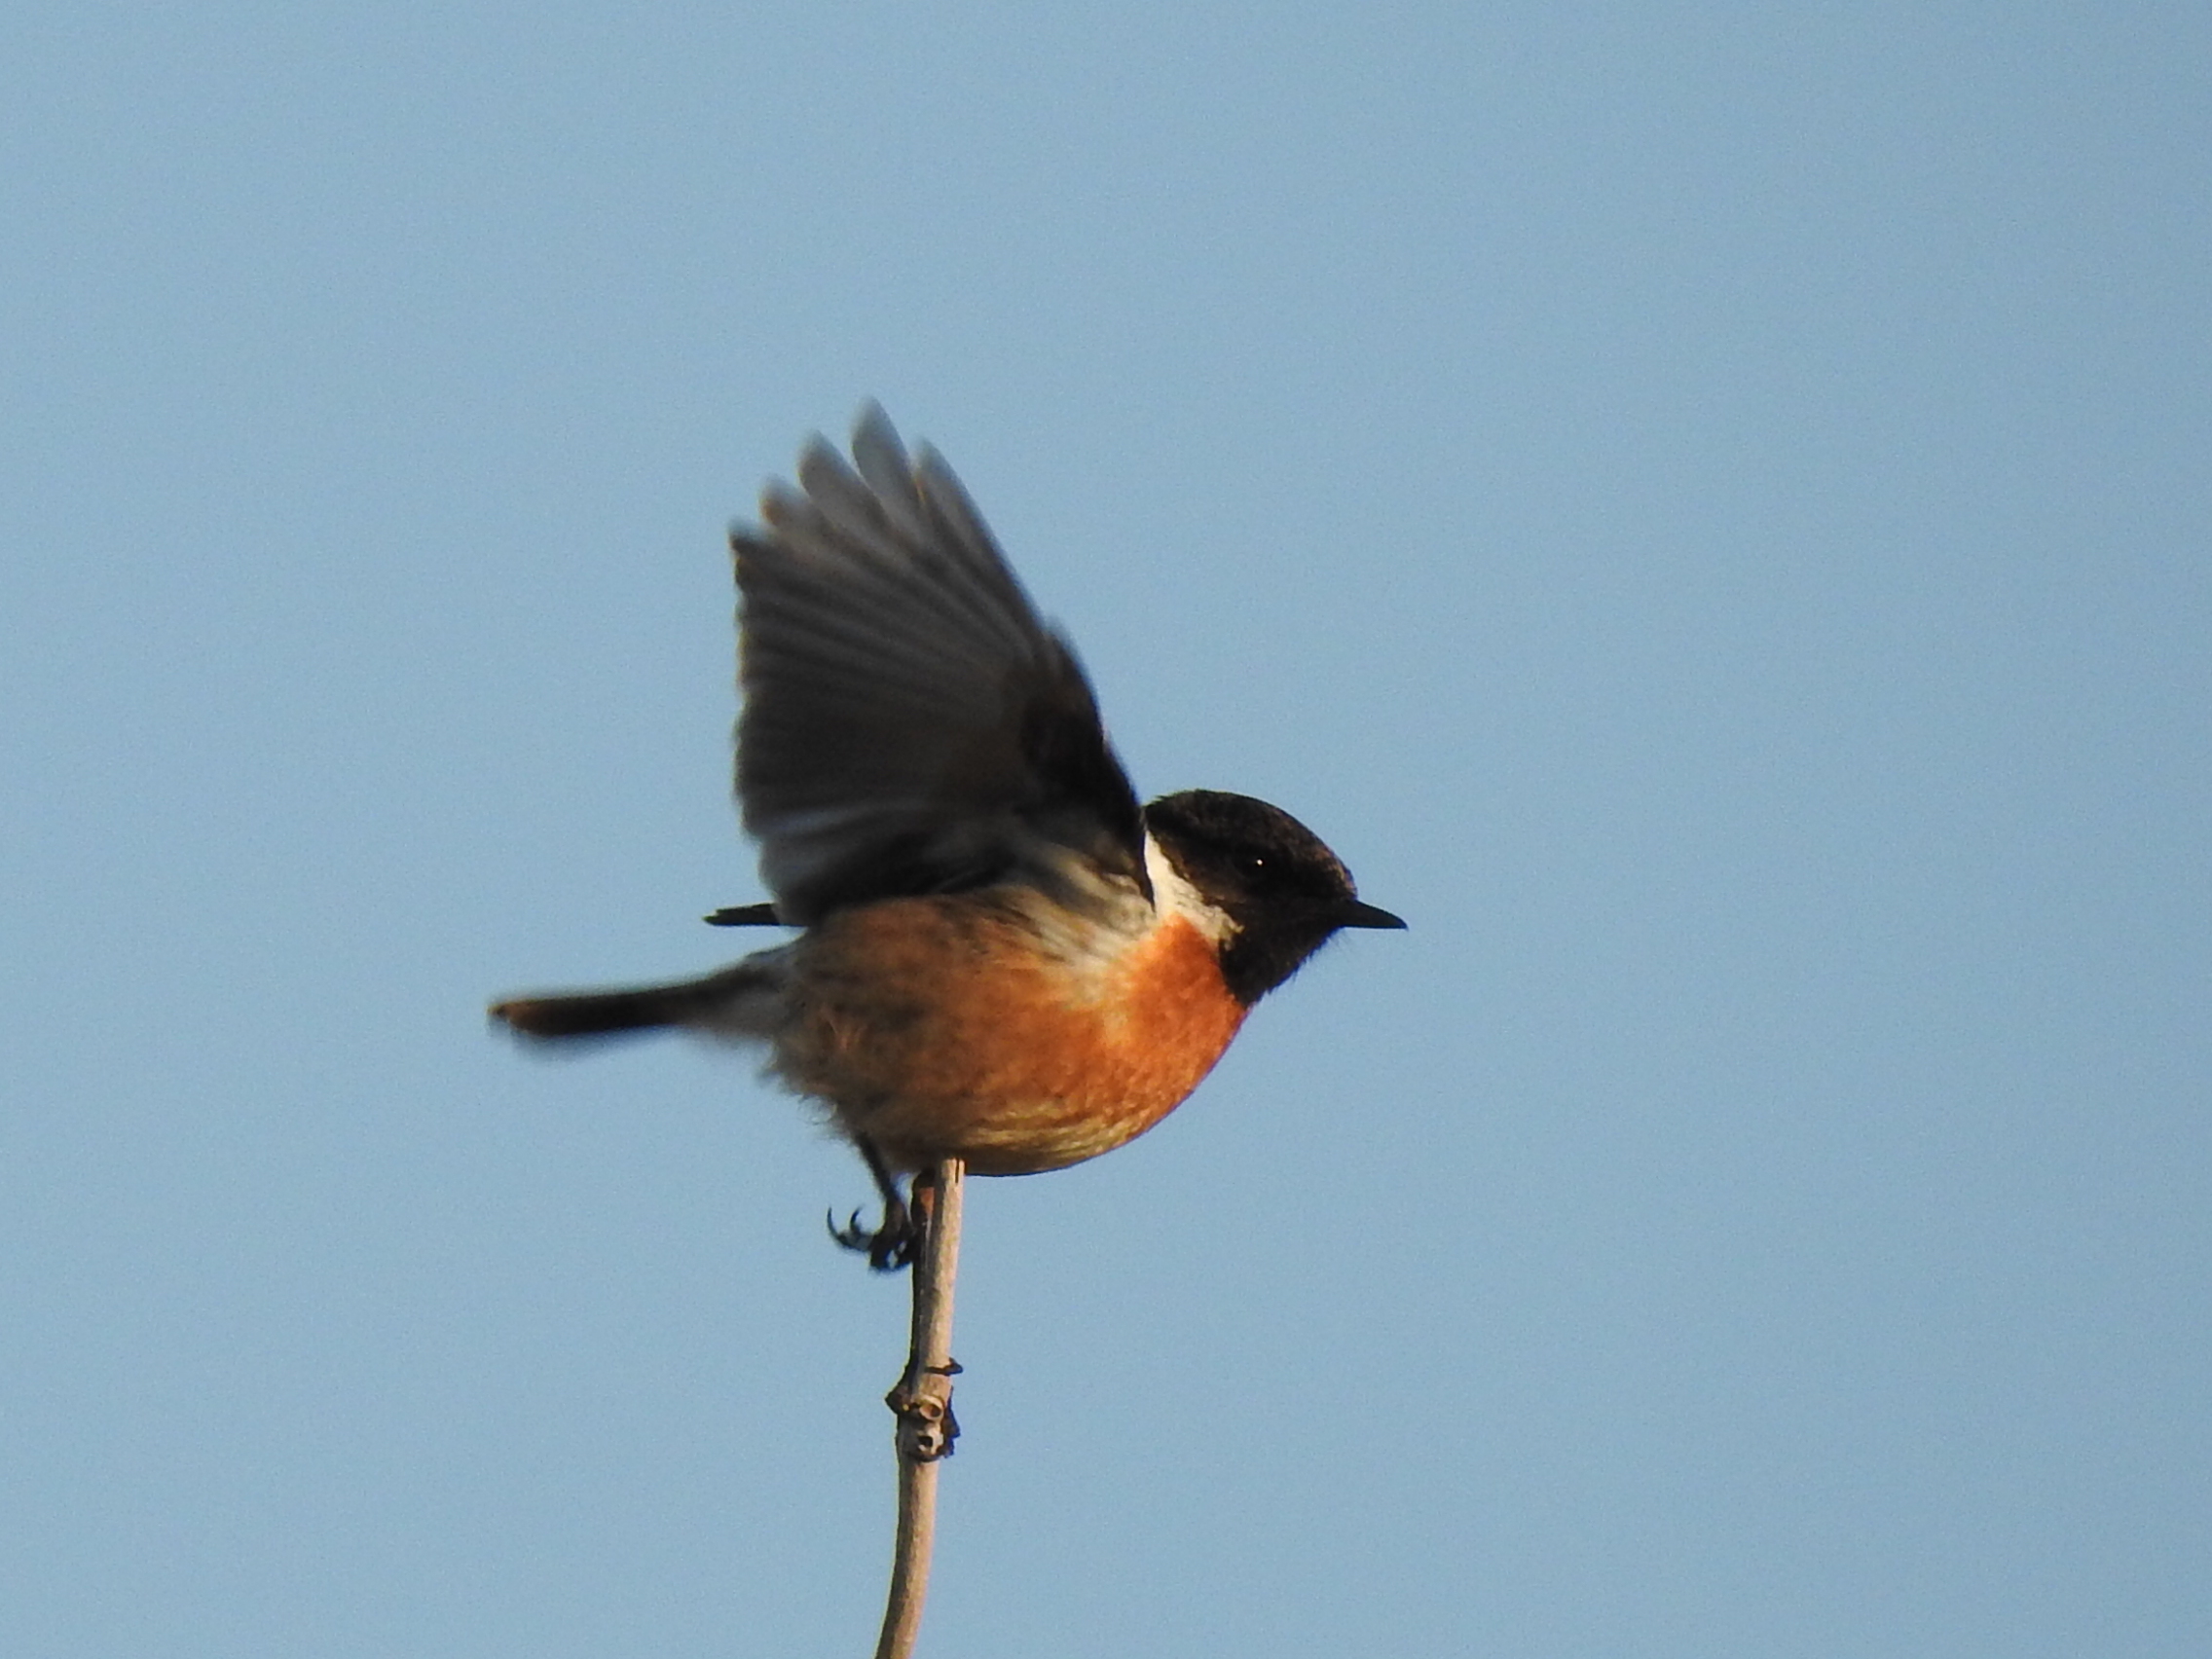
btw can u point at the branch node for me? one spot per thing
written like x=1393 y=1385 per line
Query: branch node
x=923 y=1405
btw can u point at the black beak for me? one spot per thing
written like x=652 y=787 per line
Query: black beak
x=1358 y=915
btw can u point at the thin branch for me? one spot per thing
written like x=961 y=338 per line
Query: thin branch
x=923 y=1403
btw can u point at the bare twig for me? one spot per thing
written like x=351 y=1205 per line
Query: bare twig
x=923 y=1403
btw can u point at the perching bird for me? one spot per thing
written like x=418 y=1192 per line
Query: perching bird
x=1002 y=957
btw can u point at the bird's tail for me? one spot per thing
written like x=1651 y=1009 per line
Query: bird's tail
x=737 y=1002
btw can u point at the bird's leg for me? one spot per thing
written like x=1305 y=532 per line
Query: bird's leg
x=895 y=1243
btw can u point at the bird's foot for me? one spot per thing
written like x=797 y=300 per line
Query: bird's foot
x=892 y=1247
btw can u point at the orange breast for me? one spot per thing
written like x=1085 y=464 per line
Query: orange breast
x=937 y=1028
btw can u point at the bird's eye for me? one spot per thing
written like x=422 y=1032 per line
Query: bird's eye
x=1253 y=864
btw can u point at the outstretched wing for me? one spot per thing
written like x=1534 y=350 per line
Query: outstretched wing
x=911 y=726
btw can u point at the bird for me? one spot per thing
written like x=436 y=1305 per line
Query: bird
x=1000 y=955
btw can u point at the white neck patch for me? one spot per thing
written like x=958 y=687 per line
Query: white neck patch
x=1172 y=896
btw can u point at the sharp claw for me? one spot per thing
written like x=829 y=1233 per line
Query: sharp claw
x=888 y=1247
x=894 y=1245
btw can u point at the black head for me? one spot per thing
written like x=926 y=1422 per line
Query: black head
x=1283 y=891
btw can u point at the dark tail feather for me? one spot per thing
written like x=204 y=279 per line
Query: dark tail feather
x=707 y=1002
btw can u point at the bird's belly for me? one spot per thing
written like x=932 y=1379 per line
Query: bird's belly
x=936 y=1030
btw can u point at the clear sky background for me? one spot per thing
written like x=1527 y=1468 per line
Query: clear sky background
x=1705 y=506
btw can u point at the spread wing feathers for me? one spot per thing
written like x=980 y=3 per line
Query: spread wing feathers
x=911 y=726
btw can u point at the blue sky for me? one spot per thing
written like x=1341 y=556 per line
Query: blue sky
x=1703 y=506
